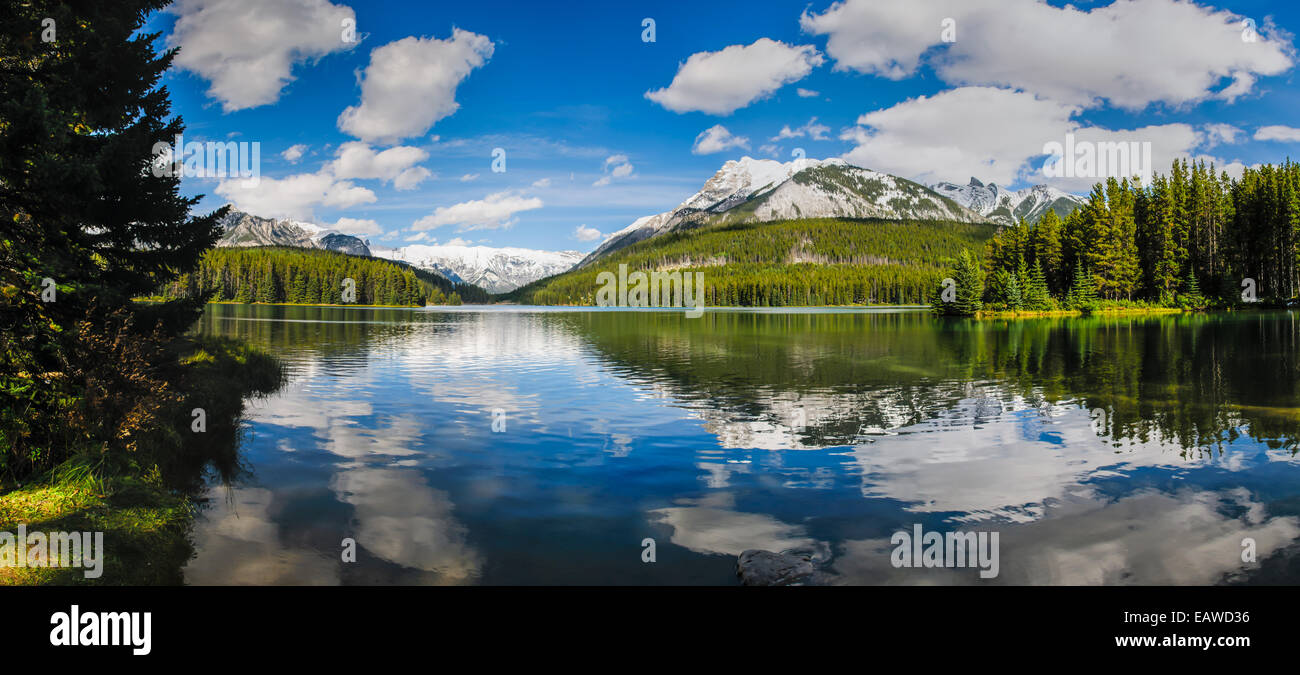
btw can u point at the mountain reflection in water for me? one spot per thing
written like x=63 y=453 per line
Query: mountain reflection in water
x=1103 y=450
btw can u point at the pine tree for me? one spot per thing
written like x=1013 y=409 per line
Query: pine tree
x=1037 y=298
x=81 y=206
x=1083 y=291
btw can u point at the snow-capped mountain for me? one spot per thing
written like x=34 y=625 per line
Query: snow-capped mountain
x=1006 y=207
x=496 y=270
x=761 y=190
x=245 y=229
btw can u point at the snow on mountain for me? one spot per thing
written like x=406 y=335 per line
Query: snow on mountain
x=1006 y=207
x=246 y=229
x=761 y=190
x=497 y=270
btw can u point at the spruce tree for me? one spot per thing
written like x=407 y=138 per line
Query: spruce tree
x=83 y=214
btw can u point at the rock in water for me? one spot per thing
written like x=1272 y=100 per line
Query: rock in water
x=765 y=568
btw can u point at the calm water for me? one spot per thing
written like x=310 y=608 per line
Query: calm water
x=1138 y=451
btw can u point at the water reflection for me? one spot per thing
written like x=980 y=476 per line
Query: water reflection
x=1103 y=450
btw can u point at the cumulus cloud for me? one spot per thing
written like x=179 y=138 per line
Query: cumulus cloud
x=721 y=82
x=929 y=139
x=294 y=153
x=493 y=211
x=805 y=93
x=357 y=226
x=246 y=49
x=616 y=166
x=542 y=183
x=717 y=139
x=468 y=177
x=1186 y=52
x=293 y=196
x=1277 y=132
x=397 y=165
x=584 y=233
x=410 y=84
x=812 y=130
x=1216 y=134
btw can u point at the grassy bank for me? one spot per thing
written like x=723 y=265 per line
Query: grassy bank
x=145 y=507
x=1107 y=311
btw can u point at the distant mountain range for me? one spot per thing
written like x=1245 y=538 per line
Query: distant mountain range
x=743 y=191
x=496 y=270
x=762 y=190
x=245 y=229
x=1006 y=207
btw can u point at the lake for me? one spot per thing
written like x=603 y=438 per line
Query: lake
x=515 y=445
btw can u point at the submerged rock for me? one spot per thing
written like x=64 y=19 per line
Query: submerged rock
x=764 y=568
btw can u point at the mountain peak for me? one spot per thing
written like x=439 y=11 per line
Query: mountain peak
x=1007 y=207
x=762 y=190
x=245 y=229
x=496 y=270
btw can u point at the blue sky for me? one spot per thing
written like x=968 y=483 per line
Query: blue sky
x=433 y=87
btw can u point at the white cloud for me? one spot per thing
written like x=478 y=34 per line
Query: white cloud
x=357 y=226
x=408 y=179
x=246 y=49
x=1278 y=132
x=1216 y=134
x=491 y=212
x=358 y=160
x=615 y=166
x=1130 y=53
x=716 y=139
x=457 y=241
x=812 y=130
x=294 y=153
x=721 y=82
x=806 y=93
x=410 y=84
x=419 y=236
x=929 y=138
x=542 y=183
x=468 y=177
x=293 y=196
x=584 y=233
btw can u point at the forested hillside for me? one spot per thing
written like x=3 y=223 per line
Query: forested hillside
x=312 y=276
x=787 y=263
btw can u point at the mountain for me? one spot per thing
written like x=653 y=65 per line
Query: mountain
x=1006 y=207
x=497 y=270
x=245 y=229
x=762 y=190
x=798 y=262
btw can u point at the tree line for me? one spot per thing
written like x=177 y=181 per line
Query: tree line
x=313 y=276
x=1192 y=238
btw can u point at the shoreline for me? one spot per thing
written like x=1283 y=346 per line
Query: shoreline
x=145 y=512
